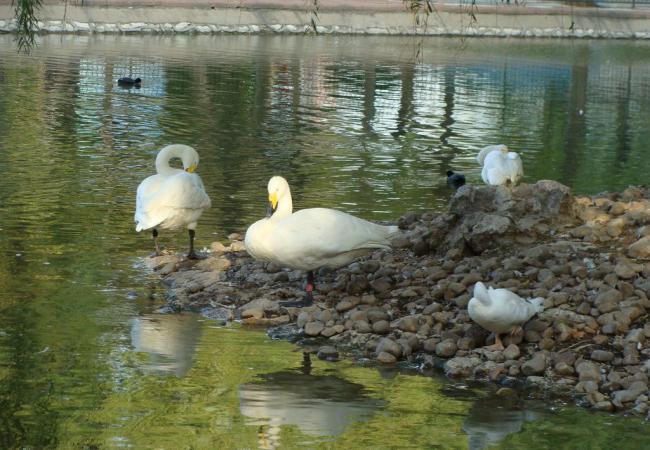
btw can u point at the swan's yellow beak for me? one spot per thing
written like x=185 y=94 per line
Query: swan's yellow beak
x=191 y=169
x=273 y=199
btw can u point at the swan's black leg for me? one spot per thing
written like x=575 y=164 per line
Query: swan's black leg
x=154 y=234
x=308 y=299
x=192 y=254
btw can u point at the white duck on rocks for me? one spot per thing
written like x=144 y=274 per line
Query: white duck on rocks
x=500 y=166
x=501 y=311
x=173 y=197
x=311 y=238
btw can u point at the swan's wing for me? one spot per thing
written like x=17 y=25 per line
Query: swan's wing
x=511 y=306
x=495 y=176
x=183 y=191
x=143 y=204
x=319 y=234
x=482 y=154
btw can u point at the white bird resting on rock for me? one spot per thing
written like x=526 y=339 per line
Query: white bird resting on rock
x=311 y=238
x=173 y=197
x=499 y=165
x=501 y=311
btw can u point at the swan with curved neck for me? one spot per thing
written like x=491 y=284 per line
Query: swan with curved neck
x=173 y=197
x=311 y=238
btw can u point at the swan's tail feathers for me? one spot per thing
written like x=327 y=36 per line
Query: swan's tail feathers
x=537 y=303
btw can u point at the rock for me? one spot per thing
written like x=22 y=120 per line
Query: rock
x=626 y=270
x=381 y=285
x=381 y=327
x=588 y=370
x=376 y=315
x=328 y=353
x=605 y=405
x=256 y=313
x=506 y=392
x=512 y=352
x=314 y=328
x=386 y=358
x=407 y=323
x=344 y=305
x=563 y=369
x=429 y=345
x=362 y=326
x=536 y=365
x=389 y=346
x=461 y=367
x=640 y=249
x=608 y=300
x=602 y=356
x=446 y=348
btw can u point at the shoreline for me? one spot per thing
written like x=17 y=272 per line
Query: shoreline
x=587 y=256
x=376 y=17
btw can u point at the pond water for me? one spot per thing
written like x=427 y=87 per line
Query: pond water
x=367 y=125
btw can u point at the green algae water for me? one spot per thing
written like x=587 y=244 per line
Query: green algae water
x=369 y=126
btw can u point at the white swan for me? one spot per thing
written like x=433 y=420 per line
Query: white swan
x=501 y=311
x=311 y=238
x=173 y=197
x=499 y=165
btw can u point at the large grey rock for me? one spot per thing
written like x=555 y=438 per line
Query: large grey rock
x=461 y=366
x=389 y=346
x=536 y=365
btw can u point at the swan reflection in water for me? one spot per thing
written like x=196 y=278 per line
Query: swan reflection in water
x=169 y=339
x=319 y=405
x=491 y=419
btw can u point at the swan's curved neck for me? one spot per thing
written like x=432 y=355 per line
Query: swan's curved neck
x=285 y=205
x=162 y=160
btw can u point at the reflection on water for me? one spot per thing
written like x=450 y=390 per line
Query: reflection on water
x=319 y=405
x=491 y=419
x=353 y=122
x=169 y=340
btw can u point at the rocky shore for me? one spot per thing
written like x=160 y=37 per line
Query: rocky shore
x=589 y=257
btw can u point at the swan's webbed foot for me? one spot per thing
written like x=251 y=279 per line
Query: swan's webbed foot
x=497 y=346
x=193 y=255
x=516 y=331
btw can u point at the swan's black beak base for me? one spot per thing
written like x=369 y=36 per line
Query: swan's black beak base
x=270 y=209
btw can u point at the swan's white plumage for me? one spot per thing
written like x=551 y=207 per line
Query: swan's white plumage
x=500 y=310
x=312 y=238
x=173 y=197
x=499 y=165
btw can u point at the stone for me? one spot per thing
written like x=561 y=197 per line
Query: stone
x=536 y=365
x=381 y=285
x=381 y=327
x=256 y=313
x=377 y=315
x=461 y=366
x=303 y=318
x=446 y=348
x=627 y=270
x=386 y=358
x=328 y=353
x=407 y=323
x=314 y=328
x=564 y=369
x=640 y=249
x=512 y=352
x=602 y=356
x=588 y=370
x=608 y=300
x=361 y=326
x=389 y=346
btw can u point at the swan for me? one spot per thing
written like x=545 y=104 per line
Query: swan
x=455 y=180
x=311 y=238
x=500 y=166
x=173 y=197
x=501 y=311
